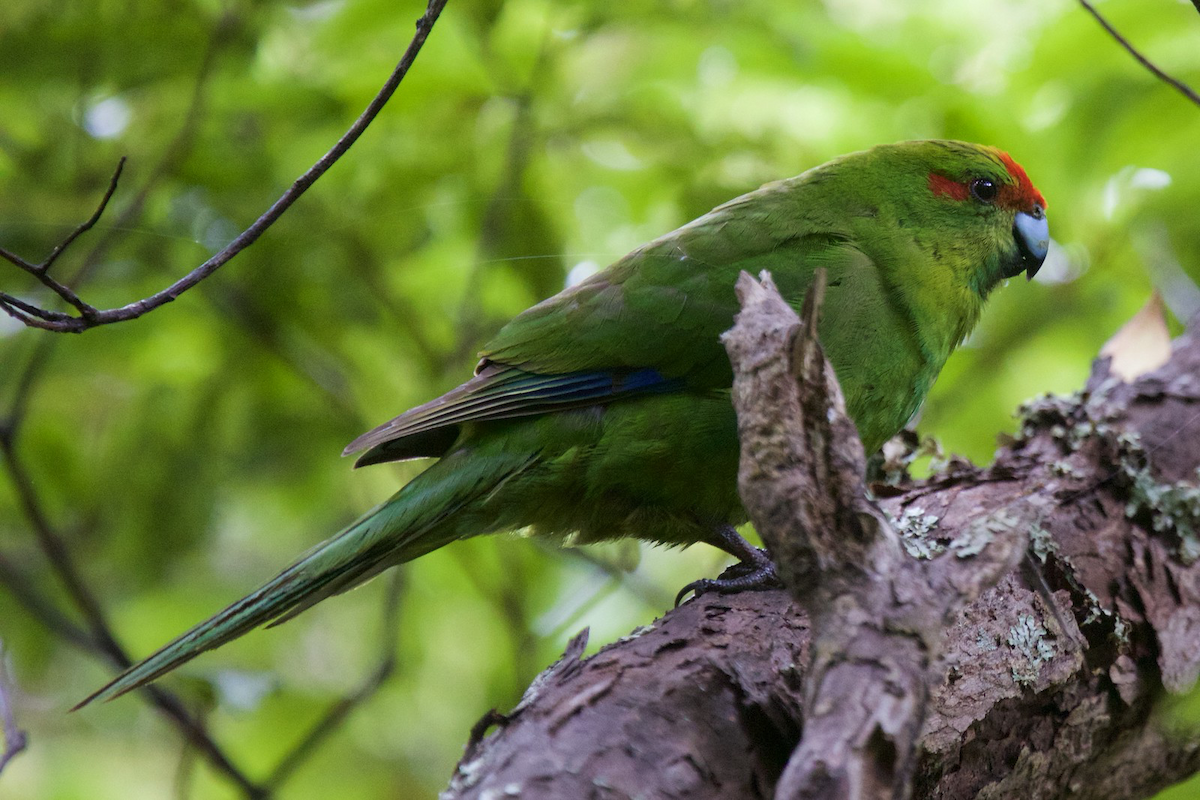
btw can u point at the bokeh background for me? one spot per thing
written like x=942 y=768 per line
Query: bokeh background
x=186 y=456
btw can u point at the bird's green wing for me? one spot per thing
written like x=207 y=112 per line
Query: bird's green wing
x=649 y=323
x=498 y=392
x=664 y=305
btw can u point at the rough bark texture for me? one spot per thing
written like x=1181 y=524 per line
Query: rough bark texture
x=710 y=701
x=878 y=615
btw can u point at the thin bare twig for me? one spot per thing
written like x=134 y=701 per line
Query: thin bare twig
x=15 y=307
x=41 y=608
x=46 y=320
x=85 y=226
x=42 y=271
x=1183 y=88
x=44 y=611
x=172 y=154
x=100 y=633
x=194 y=731
x=99 y=638
x=175 y=151
x=38 y=359
x=52 y=544
x=15 y=740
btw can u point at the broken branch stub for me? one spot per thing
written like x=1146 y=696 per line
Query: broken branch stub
x=709 y=702
x=802 y=462
x=878 y=615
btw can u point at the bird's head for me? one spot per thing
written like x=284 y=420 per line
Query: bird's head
x=987 y=193
x=970 y=208
x=946 y=221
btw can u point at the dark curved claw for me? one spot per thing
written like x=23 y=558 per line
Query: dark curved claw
x=747 y=576
x=753 y=572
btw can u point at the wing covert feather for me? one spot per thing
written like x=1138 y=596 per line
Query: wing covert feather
x=650 y=322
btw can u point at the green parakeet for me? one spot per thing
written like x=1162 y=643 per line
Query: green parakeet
x=604 y=411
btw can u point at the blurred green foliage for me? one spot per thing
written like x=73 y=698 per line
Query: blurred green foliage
x=188 y=455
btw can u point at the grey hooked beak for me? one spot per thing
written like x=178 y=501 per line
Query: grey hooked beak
x=1032 y=232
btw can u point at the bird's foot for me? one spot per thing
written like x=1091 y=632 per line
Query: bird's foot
x=741 y=577
x=754 y=572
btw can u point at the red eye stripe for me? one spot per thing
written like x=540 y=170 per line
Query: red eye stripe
x=941 y=186
x=1019 y=197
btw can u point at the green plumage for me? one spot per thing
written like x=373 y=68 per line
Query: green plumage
x=604 y=411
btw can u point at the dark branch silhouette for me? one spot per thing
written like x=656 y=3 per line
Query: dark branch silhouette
x=42 y=271
x=1182 y=87
x=98 y=639
x=95 y=636
x=173 y=154
x=88 y=317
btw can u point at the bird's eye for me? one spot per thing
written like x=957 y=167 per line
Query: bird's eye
x=984 y=190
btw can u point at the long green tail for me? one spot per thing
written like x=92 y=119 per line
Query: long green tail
x=413 y=522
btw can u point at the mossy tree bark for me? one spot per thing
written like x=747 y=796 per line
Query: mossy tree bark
x=1044 y=682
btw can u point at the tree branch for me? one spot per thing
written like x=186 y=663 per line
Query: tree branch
x=878 y=615
x=96 y=637
x=100 y=635
x=89 y=317
x=42 y=271
x=42 y=609
x=1179 y=85
x=173 y=154
x=710 y=701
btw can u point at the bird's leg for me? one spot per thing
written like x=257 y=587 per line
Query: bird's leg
x=753 y=572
